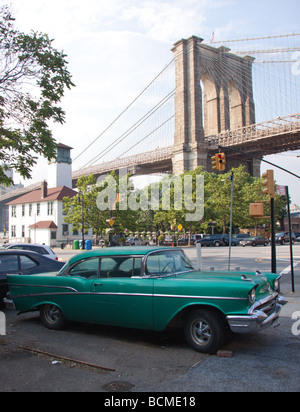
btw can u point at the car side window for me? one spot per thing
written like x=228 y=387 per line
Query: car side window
x=167 y=262
x=9 y=263
x=27 y=263
x=120 y=267
x=37 y=249
x=87 y=269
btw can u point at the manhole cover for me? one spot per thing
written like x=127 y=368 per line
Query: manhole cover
x=118 y=387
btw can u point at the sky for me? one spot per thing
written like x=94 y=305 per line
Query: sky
x=116 y=47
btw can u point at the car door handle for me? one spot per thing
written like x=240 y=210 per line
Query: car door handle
x=98 y=284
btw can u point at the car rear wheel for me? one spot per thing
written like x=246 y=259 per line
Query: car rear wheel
x=204 y=331
x=52 y=317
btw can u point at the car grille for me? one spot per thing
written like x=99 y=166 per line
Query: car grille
x=266 y=305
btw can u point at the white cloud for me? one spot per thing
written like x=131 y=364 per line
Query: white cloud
x=162 y=20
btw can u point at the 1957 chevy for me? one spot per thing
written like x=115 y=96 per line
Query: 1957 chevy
x=150 y=288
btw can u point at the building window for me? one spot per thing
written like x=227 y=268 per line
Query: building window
x=53 y=235
x=23 y=210
x=64 y=212
x=23 y=230
x=65 y=230
x=13 y=231
x=14 y=211
x=30 y=210
x=38 y=209
x=50 y=208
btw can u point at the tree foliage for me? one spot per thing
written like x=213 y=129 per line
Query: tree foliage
x=33 y=77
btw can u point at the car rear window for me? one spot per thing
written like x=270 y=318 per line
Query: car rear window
x=27 y=263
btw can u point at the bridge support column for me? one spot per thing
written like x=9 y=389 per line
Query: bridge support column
x=255 y=168
x=189 y=148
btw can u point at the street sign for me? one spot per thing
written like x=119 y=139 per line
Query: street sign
x=111 y=222
x=281 y=190
x=180 y=227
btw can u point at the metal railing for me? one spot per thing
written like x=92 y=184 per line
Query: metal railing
x=276 y=127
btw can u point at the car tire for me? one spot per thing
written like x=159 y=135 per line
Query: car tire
x=217 y=244
x=204 y=331
x=52 y=317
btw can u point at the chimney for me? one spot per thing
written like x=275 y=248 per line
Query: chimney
x=44 y=188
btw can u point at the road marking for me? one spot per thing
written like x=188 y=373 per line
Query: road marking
x=288 y=269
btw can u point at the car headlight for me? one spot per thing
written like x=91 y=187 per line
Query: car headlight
x=276 y=285
x=252 y=295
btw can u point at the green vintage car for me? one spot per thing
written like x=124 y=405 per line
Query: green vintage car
x=150 y=288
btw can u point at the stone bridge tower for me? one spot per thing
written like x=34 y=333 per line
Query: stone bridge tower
x=214 y=93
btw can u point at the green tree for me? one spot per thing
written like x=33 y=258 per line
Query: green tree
x=77 y=209
x=217 y=202
x=33 y=78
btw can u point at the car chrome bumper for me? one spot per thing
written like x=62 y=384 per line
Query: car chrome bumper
x=9 y=304
x=264 y=315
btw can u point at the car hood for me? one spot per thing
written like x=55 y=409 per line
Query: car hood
x=242 y=279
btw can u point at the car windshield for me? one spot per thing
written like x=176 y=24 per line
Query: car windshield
x=168 y=262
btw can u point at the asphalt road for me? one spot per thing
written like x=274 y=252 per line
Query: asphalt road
x=156 y=363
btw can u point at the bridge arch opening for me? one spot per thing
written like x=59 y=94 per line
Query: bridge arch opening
x=235 y=106
x=210 y=105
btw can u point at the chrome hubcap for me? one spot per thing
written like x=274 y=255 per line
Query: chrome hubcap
x=201 y=332
x=52 y=314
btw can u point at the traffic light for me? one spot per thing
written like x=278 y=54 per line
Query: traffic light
x=218 y=162
x=222 y=161
x=214 y=162
x=268 y=183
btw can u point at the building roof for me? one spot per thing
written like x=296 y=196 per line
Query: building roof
x=56 y=193
x=63 y=146
x=47 y=224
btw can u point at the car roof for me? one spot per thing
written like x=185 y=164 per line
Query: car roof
x=28 y=244
x=123 y=250
x=19 y=252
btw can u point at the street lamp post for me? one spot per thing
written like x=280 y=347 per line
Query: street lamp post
x=231 y=213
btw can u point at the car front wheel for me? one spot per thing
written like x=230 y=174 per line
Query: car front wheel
x=204 y=331
x=52 y=317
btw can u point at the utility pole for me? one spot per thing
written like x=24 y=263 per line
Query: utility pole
x=269 y=189
x=231 y=214
x=291 y=240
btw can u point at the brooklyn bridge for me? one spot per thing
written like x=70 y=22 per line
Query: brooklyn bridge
x=205 y=97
